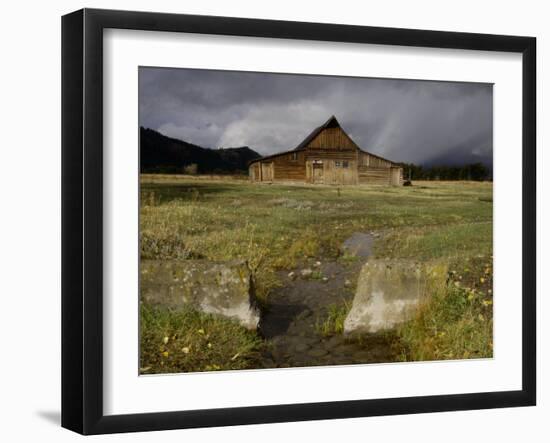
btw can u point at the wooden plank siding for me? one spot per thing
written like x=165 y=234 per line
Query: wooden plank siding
x=374 y=161
x=290 y=167
x=374 y=176
x=328 y=154
x=374 y=170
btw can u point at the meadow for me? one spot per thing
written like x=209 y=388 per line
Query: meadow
x=278 y=227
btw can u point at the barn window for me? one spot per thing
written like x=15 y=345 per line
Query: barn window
x=294 y=156
x=338 y=164
x=345 y=164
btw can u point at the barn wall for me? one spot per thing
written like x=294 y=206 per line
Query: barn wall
x=374 y=176
x=374 y=170
x=290 y=167
x=333 y=172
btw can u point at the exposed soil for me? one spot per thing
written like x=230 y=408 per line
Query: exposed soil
x=289 y=324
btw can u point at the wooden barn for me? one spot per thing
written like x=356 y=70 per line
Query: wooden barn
x=327 y=156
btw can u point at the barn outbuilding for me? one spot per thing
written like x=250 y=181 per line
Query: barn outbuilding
x=327 y=156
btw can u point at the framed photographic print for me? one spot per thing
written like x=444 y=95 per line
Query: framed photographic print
x=269 y=221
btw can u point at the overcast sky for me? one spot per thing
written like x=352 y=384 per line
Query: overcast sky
x=403 y=120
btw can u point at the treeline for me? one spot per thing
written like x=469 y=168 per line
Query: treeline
x=473 y=171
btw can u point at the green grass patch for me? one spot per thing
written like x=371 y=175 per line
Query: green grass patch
x=190 y=341
x=457 y=322
x=435 y=242
x=348 y=259
x=333 y=323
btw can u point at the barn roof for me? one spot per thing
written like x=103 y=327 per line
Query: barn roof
x=332 y=122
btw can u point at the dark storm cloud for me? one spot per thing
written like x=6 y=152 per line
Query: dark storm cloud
x=403 y=120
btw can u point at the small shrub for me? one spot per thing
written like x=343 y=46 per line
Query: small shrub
x=308 y=245
x=191 y=169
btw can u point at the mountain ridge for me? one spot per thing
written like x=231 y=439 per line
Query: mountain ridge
x=162 y=154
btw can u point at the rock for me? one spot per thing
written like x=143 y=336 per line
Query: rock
x=389 y=292
x=302 y=347
x=268 y=363
x=318 y=352
x=361 y=356
x=221 y=288
x=309 y=340
x=306 y=273
x=347 y=283
x=317 y=264
x=292 y=275
x=334 y=342
x=297 y=363
x=278 y=354
x=325 y=279
x=346 y=349
x=304 y=314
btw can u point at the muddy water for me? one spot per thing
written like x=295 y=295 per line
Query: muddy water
x=359 y=244
x=289 y=325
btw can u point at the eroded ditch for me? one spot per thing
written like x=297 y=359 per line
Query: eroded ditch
x=292 y=325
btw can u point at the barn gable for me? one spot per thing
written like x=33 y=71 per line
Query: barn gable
x=329 y=135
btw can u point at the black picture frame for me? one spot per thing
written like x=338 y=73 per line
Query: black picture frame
x=82 y=218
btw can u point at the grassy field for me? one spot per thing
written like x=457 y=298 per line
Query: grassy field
x=277 y=227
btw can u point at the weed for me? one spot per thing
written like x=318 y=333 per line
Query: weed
x=348 y=258
x=316 y=275
x=334 y=322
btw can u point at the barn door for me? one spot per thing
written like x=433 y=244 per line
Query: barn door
x=318 y=172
